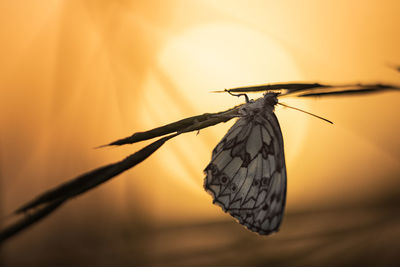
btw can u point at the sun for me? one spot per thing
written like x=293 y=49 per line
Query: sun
x=202 y=59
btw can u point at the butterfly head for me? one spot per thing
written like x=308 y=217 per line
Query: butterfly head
x=271 y=98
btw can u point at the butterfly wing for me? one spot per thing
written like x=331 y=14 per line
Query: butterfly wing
x=247 y=173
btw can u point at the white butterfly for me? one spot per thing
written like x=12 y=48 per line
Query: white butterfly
x=247 y=172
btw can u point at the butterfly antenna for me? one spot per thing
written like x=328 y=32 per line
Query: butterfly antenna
x=238 y=95
x=306 y=112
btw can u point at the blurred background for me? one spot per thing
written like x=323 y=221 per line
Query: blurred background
x=76 y=74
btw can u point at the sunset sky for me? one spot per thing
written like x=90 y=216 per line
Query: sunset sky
x=76 y=74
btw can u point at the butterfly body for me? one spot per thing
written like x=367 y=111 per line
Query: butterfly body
x=247 y=172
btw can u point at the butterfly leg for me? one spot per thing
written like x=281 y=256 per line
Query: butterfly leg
x=238 y=95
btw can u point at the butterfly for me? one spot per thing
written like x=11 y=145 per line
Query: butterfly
x=247 y=173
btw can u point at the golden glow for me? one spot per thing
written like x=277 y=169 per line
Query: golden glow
x=75 y=74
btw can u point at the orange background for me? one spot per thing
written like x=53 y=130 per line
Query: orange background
x=78 y=74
